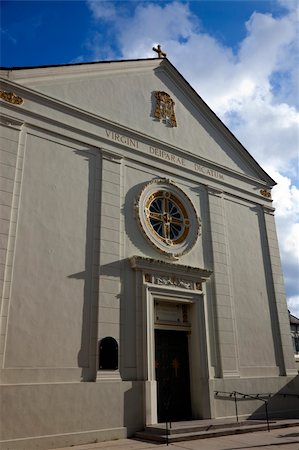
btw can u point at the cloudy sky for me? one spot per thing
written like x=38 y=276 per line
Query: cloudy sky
x=241 y=56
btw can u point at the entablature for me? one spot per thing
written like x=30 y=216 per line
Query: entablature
x=49 y=114
x=158 y=272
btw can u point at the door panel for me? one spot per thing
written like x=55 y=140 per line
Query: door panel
x=172 y=375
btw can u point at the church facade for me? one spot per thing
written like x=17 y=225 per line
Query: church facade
x=140 y=269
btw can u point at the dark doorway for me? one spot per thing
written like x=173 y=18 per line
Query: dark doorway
x=172 y=375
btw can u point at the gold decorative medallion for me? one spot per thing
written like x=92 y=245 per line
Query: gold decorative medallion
x=265 y=193
x=167 y=218
x=165 y=108
x=11 y=97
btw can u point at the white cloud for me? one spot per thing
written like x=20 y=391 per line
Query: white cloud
x=291 y=5
x=254 y=90
x=270 y=132
x=98 y=47
x=286 y=202
x=293 y=305
x=102 y=9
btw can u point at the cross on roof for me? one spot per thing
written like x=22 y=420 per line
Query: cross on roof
x=159 y=51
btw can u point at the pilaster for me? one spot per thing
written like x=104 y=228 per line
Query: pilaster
x=11 y=163
x=225 y=321
x=286 y=357
x=108 y=317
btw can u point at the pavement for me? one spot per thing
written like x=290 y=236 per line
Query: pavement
x=279 y=439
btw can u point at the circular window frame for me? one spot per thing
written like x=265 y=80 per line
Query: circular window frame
x=167 y=218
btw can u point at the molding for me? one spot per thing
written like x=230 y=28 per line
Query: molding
x=268 y=210
x=259 y=371
x=213 y=119
x=214 y=191
x=186 y=220
x=162 y=280
x=65 y=108
x=111 y=155
x=61 y=71
x=150 y=265
x=108 y=375
x=231 y=374
x=11 y=122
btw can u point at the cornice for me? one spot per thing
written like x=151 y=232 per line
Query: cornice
x=11 y=122
x=27 y=74
x=155 y=265
x=31 y=95
x=44 y=72
x=213 y=119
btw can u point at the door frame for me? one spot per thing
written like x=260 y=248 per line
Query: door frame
x=197 y=345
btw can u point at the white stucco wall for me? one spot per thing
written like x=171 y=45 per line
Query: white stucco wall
x=249 y=285
x=76 y=155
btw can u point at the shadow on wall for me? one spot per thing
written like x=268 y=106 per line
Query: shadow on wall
x=283 y=404
x=134 y=408
x=270 y=289
x=134 y=234
x=88 y=350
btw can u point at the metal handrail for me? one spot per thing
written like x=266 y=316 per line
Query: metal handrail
x=235 y=395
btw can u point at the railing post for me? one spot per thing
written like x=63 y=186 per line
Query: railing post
x=267 y=416
x=166 y=424
x=236 y=406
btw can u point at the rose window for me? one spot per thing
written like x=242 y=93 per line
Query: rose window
x=167 y=218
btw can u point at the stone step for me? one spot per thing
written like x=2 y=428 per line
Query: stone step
x=196 y=426
x=157 y=434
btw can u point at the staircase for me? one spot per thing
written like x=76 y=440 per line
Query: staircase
x=202 y=429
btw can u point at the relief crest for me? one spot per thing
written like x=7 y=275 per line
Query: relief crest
x=11 y=97
x=164 y=109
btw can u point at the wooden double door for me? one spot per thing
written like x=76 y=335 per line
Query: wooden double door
x=172 y=375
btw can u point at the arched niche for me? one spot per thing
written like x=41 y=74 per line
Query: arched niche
x=108 y=354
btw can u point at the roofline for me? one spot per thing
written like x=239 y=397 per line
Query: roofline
x=273 y=182
x=293 y=317
x=78 y=64
x=222 y=124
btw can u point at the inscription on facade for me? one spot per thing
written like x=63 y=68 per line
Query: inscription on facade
x=206 y=171
x=167 y=156
x=163 y=154
x=173 y=281
x=122 y=139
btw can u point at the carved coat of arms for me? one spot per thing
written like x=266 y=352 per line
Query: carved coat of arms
x=165 y=108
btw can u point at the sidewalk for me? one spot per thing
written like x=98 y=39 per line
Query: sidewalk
x=281 y=439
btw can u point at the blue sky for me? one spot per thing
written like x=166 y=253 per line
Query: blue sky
x=241 y=56
x=57 y=32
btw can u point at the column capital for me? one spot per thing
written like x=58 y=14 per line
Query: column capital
x=268 y=210
x=214 y=191
x=111 y=156
x=11 y=122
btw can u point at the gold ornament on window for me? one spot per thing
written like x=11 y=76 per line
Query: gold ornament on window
x=11 y=97
x=165 y=108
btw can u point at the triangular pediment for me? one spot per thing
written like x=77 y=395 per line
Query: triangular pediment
x=123 y=93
